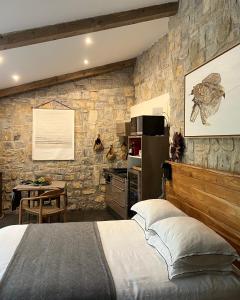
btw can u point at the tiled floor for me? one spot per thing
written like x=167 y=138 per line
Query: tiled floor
x=73 y=216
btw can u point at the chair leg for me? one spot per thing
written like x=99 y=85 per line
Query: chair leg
x=65 y=216
x=20 y=214
x=40 y=219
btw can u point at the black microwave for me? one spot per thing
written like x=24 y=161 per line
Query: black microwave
x=147 y=125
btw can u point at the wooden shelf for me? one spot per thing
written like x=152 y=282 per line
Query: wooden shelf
x=135 y=137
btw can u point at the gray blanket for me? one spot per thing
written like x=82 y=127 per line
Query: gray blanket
x=58 y=261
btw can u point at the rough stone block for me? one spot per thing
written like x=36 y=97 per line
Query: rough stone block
x=88 y=191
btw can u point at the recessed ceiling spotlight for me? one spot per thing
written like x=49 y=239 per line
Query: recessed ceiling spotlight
x=1 y=59
x=86 y=62
x=15 y=77
x=88 y=41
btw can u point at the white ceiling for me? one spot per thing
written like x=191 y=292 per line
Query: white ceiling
x=63 y=56
x=23 y=14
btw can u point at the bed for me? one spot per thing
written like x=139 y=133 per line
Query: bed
x=133 y=268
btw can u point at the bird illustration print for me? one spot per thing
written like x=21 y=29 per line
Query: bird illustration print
x=207 y=98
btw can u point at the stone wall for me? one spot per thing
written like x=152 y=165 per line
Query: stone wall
x=99 y=103
x=201 y=30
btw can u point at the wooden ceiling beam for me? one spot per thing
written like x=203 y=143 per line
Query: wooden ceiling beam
x=68 y=29
x=27 y=87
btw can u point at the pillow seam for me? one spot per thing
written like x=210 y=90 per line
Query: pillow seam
x=165 y=246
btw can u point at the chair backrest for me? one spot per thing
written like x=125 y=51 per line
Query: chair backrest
x=53 y=193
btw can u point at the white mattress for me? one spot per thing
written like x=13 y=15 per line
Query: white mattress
x=138 y=271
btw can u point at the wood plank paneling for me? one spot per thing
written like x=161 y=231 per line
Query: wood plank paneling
x=66 y=77
x=215 y=207
x=202 y=193
x=220 y=178
x=68 y=29
x=228 y=194
x=210 y=196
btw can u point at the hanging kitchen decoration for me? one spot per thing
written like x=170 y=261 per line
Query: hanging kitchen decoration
x=111 y=155
x=98 y=145
x=177 y=147
x=124 y=151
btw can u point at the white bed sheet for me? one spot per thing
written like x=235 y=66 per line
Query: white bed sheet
x=10 y=237
x=138 y=271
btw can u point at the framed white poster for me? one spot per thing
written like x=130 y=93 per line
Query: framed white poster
x=53 y=134
x=212 y=91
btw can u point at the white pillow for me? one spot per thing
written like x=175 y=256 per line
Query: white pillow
x=156 y=209
x=187 y=269
x=186 y=242
x=139 y=220
x=141 y=223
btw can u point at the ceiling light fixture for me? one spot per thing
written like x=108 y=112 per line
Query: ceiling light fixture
x=15 y=77
x=88 y=41
x=86 y=62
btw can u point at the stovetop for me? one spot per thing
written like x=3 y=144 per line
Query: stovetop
x=118 y=170
x=115 y=170
x=121 y=172
x=122 y=175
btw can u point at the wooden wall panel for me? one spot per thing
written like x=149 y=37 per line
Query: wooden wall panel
x=210 y=196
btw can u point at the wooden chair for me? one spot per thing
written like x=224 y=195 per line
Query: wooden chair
x=37 y=205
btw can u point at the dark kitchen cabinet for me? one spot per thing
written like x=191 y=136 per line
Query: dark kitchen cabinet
x=148 y=153
x=142 y=179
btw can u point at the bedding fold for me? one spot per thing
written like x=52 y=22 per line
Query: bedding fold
x=59 y=261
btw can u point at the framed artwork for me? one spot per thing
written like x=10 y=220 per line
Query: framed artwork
x=212 y=97
x=53 y=134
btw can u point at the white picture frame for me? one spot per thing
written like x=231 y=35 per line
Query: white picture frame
x=212 y=91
